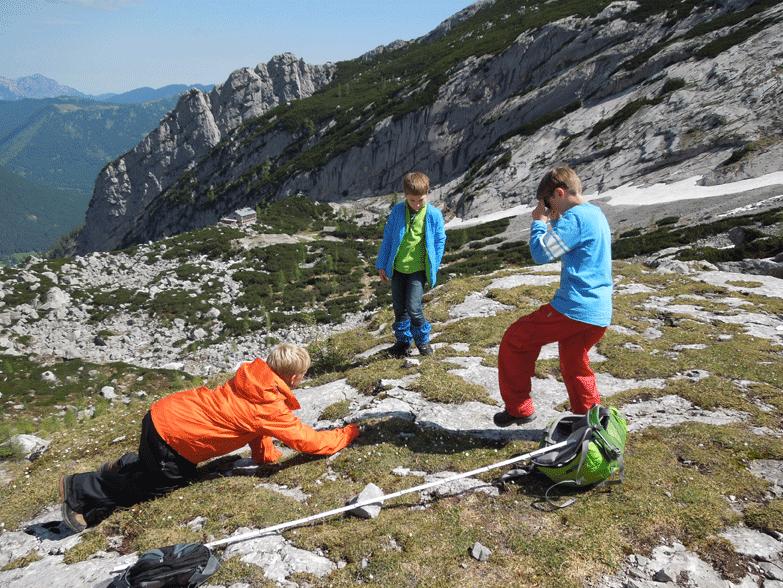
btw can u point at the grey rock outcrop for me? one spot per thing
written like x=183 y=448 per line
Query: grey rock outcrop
x=125 y=187
x=562 y=92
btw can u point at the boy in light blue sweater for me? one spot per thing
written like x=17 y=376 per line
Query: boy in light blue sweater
x=579 y=313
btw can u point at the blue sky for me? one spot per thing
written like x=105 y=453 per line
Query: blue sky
x=101 y=46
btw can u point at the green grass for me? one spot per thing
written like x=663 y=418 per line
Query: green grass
x=336 y=410
x=703 y=28
x=436 y=384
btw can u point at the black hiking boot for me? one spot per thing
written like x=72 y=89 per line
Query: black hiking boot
x=503 y=419
x=425 y=349
x=399 y=349
x=73 y=520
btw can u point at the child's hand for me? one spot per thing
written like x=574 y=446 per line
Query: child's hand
x=540 y=212
x=353 y=431
x=383 y=275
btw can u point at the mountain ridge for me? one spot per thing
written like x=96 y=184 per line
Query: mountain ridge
x=521 y=85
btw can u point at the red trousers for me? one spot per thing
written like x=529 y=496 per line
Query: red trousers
x=519 y=351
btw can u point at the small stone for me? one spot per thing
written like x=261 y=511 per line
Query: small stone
x=199 y=334
x=662 y=576
x=196 y=524
x=115 y=542
x=479 y=552
x=213 y=313
x=697 y=375
x=411 y=362
x=49 y=377
x=87 y=413
x=108 y=393
x=98 y=341
x=368 y=511
x=118 y=439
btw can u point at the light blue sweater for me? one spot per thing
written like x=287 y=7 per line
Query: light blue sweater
x=582 y=237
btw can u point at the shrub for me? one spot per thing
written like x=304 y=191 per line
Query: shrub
x=327 y=356
x=667 y=220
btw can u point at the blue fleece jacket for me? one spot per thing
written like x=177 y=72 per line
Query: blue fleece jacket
x=582 y=237
x=393 y=232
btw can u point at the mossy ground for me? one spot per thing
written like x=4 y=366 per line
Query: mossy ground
x=677 y=483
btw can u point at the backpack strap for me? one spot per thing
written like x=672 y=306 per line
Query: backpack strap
x=610 y=450
x=600 y=436
x=548 y=438
x=566 y=503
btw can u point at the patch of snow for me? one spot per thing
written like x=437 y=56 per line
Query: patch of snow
x=687 y=189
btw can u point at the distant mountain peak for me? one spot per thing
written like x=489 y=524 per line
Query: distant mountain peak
x=34 y=86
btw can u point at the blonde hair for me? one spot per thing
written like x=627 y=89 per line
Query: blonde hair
x=415 y=183
x=287 y=360
x=559 y=177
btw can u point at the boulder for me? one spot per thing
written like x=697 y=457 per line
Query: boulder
x=29 y=446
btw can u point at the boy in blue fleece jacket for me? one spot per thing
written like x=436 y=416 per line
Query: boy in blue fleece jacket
x=410 y=254
x=581 y=310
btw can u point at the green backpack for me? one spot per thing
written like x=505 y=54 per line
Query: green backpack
x=594 y=449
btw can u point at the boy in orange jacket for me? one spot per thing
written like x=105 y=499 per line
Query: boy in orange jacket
x=188 y=427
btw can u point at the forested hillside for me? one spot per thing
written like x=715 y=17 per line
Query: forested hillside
x=66 y=142
x=32 y=215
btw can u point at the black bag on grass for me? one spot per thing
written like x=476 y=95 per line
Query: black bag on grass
x=183 y=564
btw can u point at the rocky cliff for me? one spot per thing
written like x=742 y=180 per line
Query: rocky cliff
x=126 y=186
x=635 y=91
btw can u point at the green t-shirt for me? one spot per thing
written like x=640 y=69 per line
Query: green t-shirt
x=410 y=256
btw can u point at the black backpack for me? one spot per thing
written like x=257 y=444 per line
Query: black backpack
x=183 y=564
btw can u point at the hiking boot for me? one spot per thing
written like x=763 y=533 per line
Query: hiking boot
x=425 y=349
x=399 y=349
x=504 y=419
x=75 y=521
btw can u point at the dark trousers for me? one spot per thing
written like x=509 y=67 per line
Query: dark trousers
x=154 y=471
x=409 y=322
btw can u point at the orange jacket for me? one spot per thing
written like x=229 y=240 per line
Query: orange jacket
x=251 y=408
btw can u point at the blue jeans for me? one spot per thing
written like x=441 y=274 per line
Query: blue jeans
x=409 y=322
